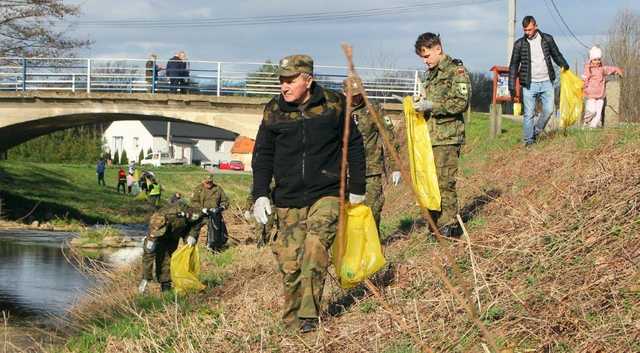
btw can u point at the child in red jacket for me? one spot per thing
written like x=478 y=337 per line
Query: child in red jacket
x=594 y=77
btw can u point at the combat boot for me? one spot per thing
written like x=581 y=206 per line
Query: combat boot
x=308 y=325
x=450 y=231
x=165 y=286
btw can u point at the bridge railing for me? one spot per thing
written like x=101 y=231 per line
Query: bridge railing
x=195 y=77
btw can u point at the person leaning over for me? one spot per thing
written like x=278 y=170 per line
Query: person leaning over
x=443 y=100
x=531 y=62
x=299 y=143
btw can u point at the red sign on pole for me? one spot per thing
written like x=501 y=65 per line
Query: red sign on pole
x=501 y=85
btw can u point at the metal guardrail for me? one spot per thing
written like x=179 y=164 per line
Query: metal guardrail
x=198 y=77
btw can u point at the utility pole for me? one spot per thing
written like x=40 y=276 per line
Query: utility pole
x=511 y=28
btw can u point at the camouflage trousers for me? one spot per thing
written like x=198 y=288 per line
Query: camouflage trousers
x=302 y=248
x=160 y=258
x=375 y=196
x=446 y=160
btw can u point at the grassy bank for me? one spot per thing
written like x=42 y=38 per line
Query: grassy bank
x=551 y=261
x=69 y=193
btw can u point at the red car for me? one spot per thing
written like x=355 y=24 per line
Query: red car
x=231 y=165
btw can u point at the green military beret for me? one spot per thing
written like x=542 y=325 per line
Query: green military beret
x=295 y=64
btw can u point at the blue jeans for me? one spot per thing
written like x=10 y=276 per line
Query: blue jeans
x=544 y=91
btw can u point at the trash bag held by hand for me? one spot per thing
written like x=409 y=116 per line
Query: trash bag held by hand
x=421 y=162
x=185 y=267
x=570 y=98
x=362 y=254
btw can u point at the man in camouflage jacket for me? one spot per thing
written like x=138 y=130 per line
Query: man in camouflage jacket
x=375 y=155
x=209 y=198
x=166 y=226
x=299 y=143
x=445 y=96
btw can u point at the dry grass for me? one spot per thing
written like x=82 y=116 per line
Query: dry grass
x=553 y=259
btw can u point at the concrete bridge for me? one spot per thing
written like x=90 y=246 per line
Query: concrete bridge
x=26 y=115
x=42 y=95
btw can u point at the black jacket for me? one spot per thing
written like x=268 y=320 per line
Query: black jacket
x=301 y=146
x=521 y=60
x=176 y=68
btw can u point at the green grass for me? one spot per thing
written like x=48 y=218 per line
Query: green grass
x=70 y=193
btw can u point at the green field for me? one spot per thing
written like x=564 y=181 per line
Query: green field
x=70 y=193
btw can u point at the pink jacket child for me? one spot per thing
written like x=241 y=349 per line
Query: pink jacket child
x=594 y=77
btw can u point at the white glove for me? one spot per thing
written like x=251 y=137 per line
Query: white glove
x=142 y=286
x=355 y=199
x=422 y=105
x=191 y=241
x=205 y=210
x=247 y=215
x=261 y=209
x=395 y=177
x=150 y=244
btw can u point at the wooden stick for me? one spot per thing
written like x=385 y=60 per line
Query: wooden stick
x=341 y=220
x=446 y=255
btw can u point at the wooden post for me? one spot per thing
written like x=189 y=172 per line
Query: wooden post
x=498 y=121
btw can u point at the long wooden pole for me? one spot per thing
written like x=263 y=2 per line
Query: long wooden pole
x=462 y=298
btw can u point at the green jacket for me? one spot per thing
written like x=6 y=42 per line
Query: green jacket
x=165 y=223
x=448 y=87
x=373 y=143
x=209 y=198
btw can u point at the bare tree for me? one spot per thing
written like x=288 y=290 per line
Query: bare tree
x=623 y=49
x=36 y=28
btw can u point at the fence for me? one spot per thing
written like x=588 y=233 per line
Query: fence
x=194 y=77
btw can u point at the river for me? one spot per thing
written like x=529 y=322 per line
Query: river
x=37 y=282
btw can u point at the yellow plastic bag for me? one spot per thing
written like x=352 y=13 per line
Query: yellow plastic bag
x=423 y=167
x=570 y=98
x=362 y=255
x=517 y=109
x=185 y=267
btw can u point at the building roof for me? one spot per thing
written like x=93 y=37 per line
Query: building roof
x=158 y=128
x=243 y=144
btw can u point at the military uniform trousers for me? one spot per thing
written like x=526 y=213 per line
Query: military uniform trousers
x=161 y=258
x=374 y=198
x=446 y=160
x=302 y=250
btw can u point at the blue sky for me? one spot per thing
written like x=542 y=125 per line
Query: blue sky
x=474 y=33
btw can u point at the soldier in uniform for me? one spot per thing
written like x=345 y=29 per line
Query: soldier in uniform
x=299 y=143
x=166 y=226
x=373 y=147
x=208 y=197
x=444 y=98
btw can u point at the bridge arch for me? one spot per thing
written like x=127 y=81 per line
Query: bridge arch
x=29 y=115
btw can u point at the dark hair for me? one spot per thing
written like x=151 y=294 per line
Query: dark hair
x=427 y=40
x=527 y=20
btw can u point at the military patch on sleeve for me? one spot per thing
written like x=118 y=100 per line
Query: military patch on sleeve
x=463 y=88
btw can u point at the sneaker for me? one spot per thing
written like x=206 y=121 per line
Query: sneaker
x=308 y=325
x=142 y=287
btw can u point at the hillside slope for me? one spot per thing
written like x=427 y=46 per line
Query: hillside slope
x=553 y=260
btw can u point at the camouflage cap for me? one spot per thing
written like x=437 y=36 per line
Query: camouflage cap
x=295 y=64
x=157 y=225
x=355 y=83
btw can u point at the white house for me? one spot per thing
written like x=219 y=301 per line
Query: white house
x=196 y=143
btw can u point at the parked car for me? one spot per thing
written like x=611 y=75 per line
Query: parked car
x=231 y=165
x=157 y=159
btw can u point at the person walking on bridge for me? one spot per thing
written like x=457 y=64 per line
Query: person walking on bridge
x=531 y=62
x=178 y=73
x=444 y=98
x=299 y=143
